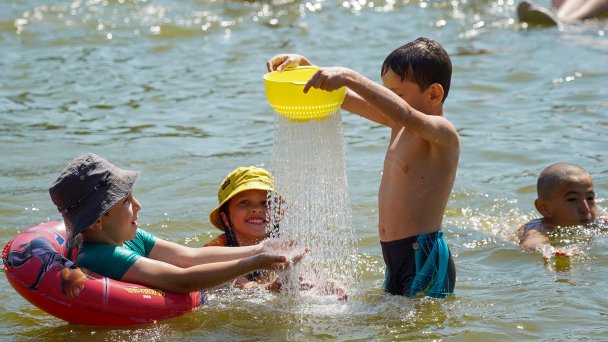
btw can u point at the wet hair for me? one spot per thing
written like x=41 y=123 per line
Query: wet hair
x=230 y=237
x=555 y=174
x=423 y=61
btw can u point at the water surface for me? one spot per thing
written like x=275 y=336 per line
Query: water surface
x=174 y=88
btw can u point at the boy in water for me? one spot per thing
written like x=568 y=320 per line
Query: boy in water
x=420 y=164
x=566 y=197
x=94 y=197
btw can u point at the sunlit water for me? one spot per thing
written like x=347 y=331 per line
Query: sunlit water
x=175 y=89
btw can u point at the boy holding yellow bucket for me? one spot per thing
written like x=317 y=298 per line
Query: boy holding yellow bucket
x=420 y=164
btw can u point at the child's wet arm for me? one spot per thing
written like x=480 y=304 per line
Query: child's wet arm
x=534 y=240
x=182 y=256
x=167 y=277
x=357 y=105
x=398 y=113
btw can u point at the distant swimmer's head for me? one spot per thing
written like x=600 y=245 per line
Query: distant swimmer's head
x=566 y=195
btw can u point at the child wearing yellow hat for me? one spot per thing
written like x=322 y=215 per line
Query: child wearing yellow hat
x=242 y=210
x=242 y=214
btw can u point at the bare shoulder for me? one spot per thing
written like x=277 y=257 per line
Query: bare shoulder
x=533 y=235
x=533 y=225
x=534 y=228
x=444 y=134
x=521 y=232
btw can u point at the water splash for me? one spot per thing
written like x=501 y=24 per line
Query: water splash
x=310 y=175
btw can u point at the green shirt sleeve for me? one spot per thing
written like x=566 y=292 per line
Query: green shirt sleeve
x=114 y=261
x=142 y=243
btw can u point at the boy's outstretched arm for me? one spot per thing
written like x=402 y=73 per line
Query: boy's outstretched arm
x=352 y=103
x=433 y=128
x=537 y=240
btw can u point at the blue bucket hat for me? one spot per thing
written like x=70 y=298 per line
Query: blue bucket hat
x=87 y=188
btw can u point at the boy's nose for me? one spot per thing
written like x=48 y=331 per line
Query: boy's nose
x=584 y=207
x=136 y=204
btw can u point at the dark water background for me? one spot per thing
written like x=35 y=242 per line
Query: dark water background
x=174 y=88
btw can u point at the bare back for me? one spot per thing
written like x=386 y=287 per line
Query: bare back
x=416 y=184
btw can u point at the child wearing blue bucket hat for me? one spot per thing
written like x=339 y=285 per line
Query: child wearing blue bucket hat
x=96 y=201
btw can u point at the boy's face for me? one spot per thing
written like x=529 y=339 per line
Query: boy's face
x=407 y=90
x=120 y=222
x=248 y=215
x=571 y=203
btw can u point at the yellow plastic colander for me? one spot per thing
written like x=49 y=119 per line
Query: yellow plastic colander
x=284 y=91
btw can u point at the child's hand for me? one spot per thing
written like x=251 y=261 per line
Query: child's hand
x=278 y=245
x=328 y=79
x=281 y=253
x=550 y=251
x=282 y=62
x=568 y=251
x=331 y=287
x=72 y=281
x=288 y=248
x=274 y=286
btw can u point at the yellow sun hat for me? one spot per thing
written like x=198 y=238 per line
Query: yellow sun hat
x=237 y=181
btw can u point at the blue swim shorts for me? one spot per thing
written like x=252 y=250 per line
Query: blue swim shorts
x=419 y=263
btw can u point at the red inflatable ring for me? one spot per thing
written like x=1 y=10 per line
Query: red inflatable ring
x=32 y=262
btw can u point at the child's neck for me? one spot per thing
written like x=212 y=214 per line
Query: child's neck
x=99 y=237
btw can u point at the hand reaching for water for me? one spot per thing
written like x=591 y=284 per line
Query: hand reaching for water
x=550 y=251
x=331 y=287
x=325 y=288
x=568 y=251
x=285 y=253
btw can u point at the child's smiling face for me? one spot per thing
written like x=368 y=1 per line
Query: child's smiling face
x=248 y=215
x=120 y=222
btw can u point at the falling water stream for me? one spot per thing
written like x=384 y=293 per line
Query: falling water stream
x=310 y=174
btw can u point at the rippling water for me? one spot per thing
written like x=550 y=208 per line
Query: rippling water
x=174 y=88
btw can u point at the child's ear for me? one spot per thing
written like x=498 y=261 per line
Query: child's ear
x=95 y=226
x=225 y=219
x=436 y=93
x=542 y=208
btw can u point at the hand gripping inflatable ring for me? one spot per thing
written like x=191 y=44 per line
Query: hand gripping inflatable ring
x=32 y=263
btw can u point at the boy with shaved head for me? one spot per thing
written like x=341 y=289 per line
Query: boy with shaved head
x=566 y=197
